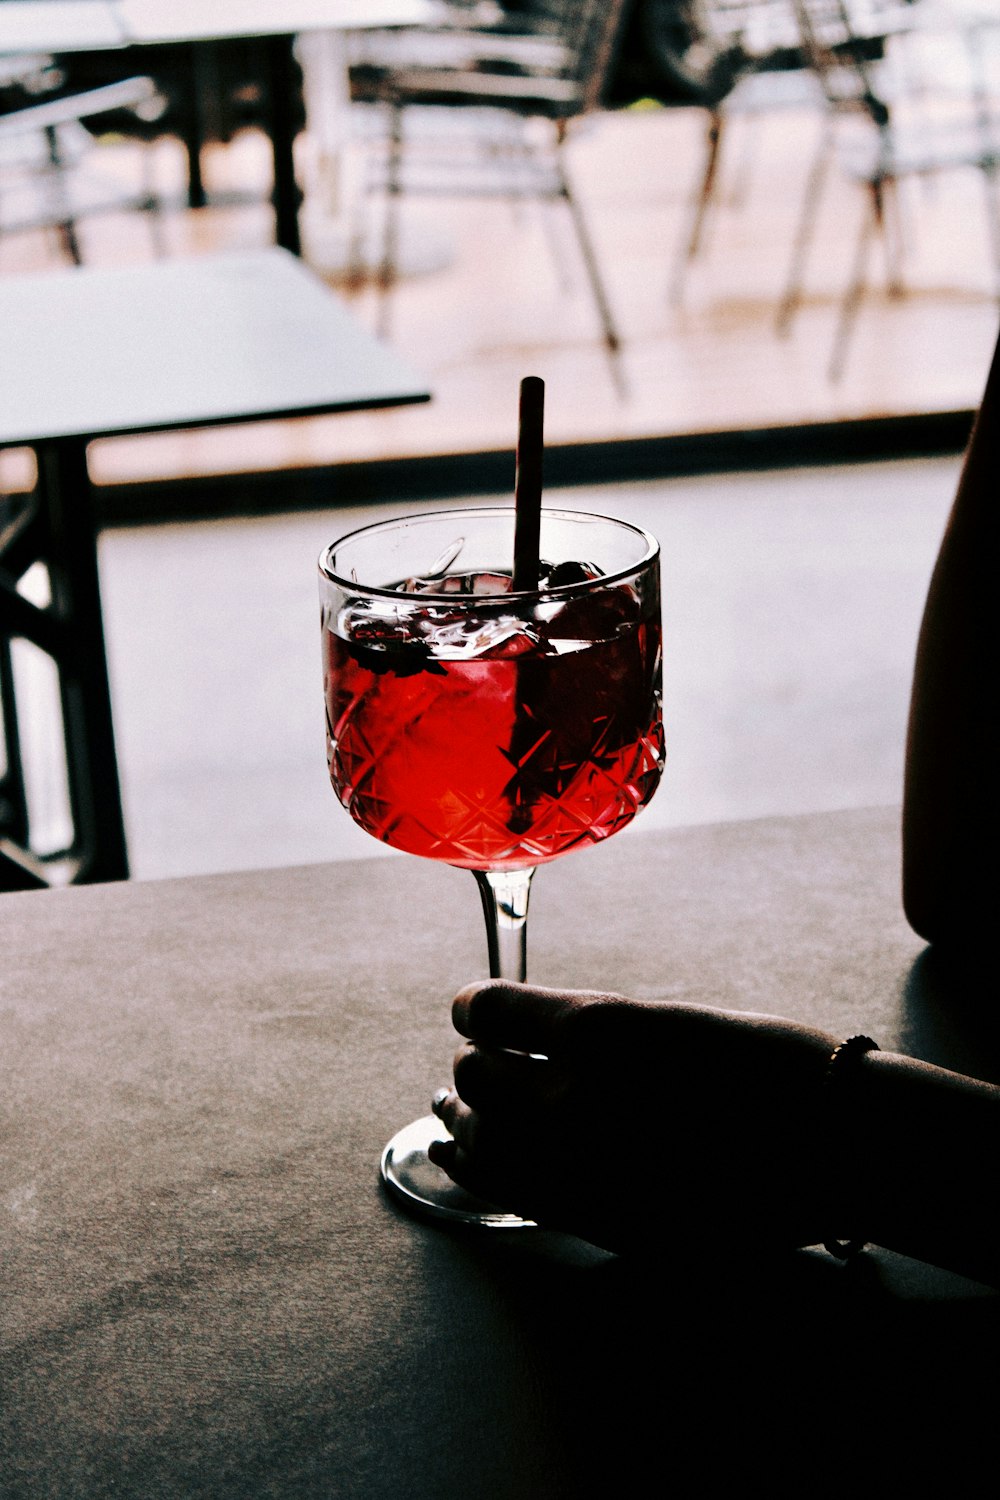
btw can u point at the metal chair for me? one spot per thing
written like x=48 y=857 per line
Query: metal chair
x=495 y=87
x=47 y=154
x=746 y=62
x=894 y=137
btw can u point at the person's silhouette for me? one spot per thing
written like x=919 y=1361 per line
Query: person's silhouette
x=774 y=1124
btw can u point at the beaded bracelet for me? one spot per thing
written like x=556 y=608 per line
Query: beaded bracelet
x=841 y=1065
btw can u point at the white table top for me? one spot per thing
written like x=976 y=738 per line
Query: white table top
x=59 y=26
x=184 y=343
x=204 y=20
x=92 y=25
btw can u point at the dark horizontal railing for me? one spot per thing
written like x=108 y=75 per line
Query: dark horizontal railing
x=448 y=476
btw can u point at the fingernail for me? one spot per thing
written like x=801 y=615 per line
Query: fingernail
x=440 y=1096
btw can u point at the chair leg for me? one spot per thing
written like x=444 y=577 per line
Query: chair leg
x=992 y=189
x=70 y=241
x=705 y=192
x=67 y=224
x=388 y=270
x=562 y=273
x=742 y=171
x=152 y=207
x=856 y=286
x=611 y=339
x=519 y=155
x=888 y=221
x=792 y=298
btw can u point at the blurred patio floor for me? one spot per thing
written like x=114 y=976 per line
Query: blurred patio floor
x=791 y=598
x=501 y=294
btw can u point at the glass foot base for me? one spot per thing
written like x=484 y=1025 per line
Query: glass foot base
x=424 y=1188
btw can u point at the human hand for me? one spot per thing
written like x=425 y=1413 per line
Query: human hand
x=634 y=1123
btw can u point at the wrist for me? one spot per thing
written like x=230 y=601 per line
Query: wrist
x=844 y=1145
x=917 y=1162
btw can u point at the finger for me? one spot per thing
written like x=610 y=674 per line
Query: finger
x=496 y=1187
x=440 y=1095
x=458 y=1166
x=455 y=1116
x=503 y=1014
x=492 y=1079
x=474 y=1158
x=442 y=1154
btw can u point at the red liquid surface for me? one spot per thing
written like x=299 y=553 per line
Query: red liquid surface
x=507 y=760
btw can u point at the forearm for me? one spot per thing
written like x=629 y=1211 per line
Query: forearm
x=921 y=1150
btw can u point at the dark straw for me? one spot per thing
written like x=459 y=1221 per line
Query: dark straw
x=528 y=482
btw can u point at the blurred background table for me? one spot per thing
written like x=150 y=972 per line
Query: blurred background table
x=711 y=367
x=274 y=26
x=206 y=1293
x=59 y=26
x=63 y=26
x=91 y=353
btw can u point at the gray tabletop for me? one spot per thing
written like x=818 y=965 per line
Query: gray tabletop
x=181 y=343
x=206 y=1293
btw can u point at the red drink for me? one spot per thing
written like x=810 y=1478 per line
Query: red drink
x=502 y=749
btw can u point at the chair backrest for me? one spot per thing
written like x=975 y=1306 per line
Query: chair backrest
x=731 y=40
x=842 y=41
x=760 y=28
x=589 y=32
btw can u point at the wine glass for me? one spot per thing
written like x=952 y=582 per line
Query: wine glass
x=493 y=729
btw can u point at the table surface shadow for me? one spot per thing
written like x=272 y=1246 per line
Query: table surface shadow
x=206 y=1292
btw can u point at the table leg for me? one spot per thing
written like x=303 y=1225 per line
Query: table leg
x=13 y=801
x=193 y=126
x=91 y=762
x=281 y=93
x=19 y=868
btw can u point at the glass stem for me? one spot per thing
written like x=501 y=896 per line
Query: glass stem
x=505 y=905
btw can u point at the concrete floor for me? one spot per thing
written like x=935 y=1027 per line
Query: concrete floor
x=791 y=605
